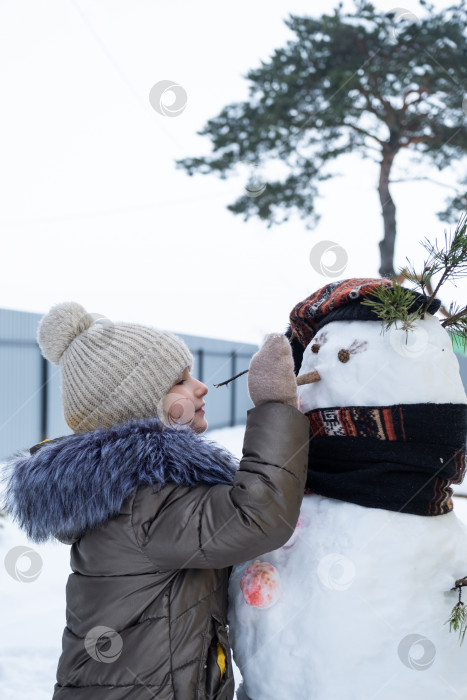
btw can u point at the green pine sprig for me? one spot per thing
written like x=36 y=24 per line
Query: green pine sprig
x=444 y=263
x=458 y=618
x=447 y=263
x=391 y=303
x=456 y=324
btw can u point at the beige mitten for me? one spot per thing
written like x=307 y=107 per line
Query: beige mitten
x=271 y=375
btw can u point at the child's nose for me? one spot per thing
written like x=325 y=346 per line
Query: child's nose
x=203 y=390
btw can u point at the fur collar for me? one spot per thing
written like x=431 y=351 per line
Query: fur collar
x=78 y=482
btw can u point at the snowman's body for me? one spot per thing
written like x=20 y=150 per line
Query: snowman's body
x=362 y=593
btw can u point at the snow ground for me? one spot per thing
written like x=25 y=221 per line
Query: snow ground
x=33 y=613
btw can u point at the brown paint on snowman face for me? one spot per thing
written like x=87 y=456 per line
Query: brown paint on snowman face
x=318 y=342
x=358 y=347
x=343 y=355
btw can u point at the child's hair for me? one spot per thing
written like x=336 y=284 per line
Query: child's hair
x=110 y=372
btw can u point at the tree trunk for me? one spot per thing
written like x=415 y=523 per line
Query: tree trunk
x=387 y=244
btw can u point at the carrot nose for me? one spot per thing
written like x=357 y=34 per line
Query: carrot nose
x=308 y=378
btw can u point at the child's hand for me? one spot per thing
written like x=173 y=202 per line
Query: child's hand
x=271 y=375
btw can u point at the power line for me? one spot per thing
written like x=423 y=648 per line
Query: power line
x=110 y=212
x=121 y=73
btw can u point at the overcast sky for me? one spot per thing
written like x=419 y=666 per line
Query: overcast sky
x=94 y=210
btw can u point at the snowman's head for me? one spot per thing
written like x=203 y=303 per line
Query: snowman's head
x=359 y=364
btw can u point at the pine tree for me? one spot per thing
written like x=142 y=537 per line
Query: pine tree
x=366 y=82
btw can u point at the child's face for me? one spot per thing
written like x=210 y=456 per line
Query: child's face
x=184 y=403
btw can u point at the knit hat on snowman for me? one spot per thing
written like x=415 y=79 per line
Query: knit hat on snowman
x=342 y=301
x=110 y=372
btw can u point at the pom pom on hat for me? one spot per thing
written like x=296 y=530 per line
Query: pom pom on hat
x=59 y=328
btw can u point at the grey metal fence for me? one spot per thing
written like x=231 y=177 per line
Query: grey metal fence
x=30 y=401
x=463 y=369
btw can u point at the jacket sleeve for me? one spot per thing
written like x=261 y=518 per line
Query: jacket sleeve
x=218 y=526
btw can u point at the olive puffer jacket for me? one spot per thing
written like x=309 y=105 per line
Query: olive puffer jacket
x=156 y=516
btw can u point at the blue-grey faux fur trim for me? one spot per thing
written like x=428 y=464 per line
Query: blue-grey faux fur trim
x=81 y=480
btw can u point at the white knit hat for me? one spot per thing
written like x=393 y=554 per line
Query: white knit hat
x=111 y=372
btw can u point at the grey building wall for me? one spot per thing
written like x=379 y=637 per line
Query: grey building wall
x=28 y=383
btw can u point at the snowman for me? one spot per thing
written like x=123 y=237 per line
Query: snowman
x=354 y=605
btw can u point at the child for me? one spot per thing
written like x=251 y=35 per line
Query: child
x=154 y=512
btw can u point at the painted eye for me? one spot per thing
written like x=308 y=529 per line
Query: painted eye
x=315 y=348
x=343 y=355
